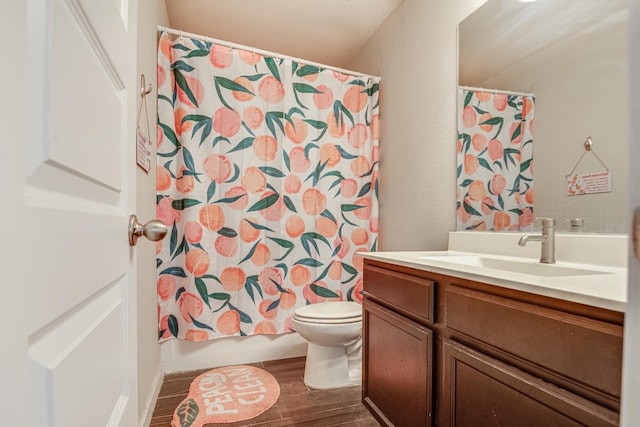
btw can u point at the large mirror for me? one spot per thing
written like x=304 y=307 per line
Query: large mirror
x=572 y=55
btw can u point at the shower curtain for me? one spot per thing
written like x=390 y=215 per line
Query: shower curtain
x=495 y=161
x=267 y=177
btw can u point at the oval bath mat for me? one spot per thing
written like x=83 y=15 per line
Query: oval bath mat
x=226 y=395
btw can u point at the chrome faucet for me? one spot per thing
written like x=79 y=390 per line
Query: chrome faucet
x=548 y=239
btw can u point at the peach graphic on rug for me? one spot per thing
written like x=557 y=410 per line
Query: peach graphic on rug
x=226 y=395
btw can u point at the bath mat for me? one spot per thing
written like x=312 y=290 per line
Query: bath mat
x=226 y=395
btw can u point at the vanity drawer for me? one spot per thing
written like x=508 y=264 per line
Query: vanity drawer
x=406 y=294
x=584 y=350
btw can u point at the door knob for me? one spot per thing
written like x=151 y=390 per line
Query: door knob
x=153 y=230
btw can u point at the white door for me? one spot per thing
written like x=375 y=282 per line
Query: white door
x=68 y=70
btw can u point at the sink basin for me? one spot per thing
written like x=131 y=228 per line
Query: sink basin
x=522 y=267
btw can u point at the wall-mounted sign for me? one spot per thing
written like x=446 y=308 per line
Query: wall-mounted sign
x=143 y=142
x=589 y=183
x=143 y=151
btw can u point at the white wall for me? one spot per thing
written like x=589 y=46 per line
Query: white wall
x=150 y=370
x=415 y=53
x=581 y=88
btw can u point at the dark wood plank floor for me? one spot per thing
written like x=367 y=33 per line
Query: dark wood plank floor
x=298 y=404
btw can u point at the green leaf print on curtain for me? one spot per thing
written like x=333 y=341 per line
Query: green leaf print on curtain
x=495 y=161
x=267 y=177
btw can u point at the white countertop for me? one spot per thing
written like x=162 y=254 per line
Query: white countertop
x=606 y=288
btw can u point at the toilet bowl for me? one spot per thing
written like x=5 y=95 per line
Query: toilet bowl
x=334 y=333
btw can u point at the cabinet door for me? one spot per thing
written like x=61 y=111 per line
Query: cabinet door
x=397 y=361
x=481 y=391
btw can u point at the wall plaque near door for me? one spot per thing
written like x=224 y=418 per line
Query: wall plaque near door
x=143 y=150
x=143 y=142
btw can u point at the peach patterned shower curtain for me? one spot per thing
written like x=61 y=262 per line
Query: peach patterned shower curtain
x=495 y=161
x=267 y=179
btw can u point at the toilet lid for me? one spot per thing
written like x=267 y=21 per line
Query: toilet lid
x=336 y=311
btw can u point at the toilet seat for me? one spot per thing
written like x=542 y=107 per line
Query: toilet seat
x=330 y=312
x=328 y=321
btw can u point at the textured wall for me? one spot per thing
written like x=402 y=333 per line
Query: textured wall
x=415 y=53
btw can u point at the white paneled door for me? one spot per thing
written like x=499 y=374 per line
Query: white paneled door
x=77 y=293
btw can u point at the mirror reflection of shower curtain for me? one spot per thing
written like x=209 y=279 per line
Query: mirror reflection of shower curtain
x=495 y=161
x=267 y=177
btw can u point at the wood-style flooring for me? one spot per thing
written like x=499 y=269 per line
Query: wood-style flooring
x=298 y=404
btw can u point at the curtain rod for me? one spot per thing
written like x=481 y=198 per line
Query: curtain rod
x=504 y=92
x=179 y=33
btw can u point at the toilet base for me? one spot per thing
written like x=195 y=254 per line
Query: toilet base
x=330 y=367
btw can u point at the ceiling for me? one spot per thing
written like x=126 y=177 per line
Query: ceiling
x=325 y=31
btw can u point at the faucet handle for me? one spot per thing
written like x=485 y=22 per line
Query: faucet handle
x=546 y=222
x=577 y=224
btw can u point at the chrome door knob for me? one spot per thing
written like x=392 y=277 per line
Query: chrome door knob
x=153 y=230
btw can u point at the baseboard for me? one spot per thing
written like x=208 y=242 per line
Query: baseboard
x=179 y=355
x=154 y=392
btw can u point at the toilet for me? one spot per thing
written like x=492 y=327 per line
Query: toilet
x=334 y=333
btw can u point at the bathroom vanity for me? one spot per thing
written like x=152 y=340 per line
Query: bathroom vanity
x=450 y=341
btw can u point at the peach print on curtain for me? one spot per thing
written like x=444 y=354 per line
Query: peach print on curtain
x=495 y=161
x=267 y=179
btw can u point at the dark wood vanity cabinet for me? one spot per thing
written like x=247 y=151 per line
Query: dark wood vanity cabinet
x=451 y=352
